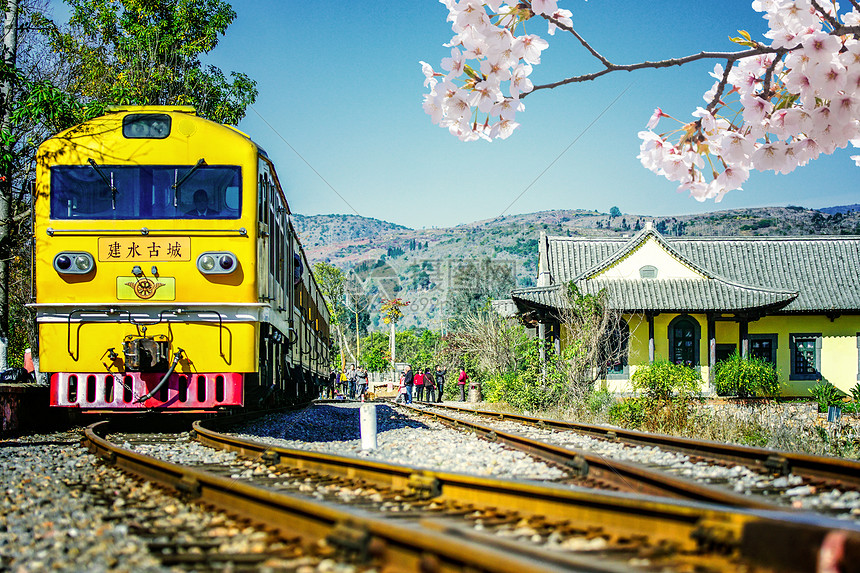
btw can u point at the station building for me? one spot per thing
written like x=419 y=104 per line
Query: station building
x=792 y=301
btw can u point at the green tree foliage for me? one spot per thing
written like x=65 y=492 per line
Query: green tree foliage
x=615 y=212
x=745 y=377
x=421 y=349
x=147 y=52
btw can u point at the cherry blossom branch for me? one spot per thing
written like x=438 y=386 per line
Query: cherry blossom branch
x=727 y=56
x=768 y=76
x=721 y=86
x=824 y=14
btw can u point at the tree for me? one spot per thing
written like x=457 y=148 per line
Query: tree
x=10 y=48
x=391 y=314
x=615 y=212
x=592 y=338
x=31 y=108
x=797 y=92
x=331 y=281
x=147 y=52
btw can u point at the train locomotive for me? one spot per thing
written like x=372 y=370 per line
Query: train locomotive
x=168 y=275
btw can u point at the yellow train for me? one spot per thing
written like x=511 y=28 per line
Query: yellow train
x=168 y=274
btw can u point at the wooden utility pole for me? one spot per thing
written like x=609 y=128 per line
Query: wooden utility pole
x=10 y=46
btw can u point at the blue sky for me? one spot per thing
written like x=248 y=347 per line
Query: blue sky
x=341 y=83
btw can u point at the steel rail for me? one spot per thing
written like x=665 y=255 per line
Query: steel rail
x=687 y=524
x=627 y=476
x=818 y=467
x=398 y=546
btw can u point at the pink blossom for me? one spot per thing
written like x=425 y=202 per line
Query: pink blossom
x=455 y=64
x=655 y=118
x=562 y=17
x=821 y=47
x=520 y=83
x=503 y=129
x=507 y=108
x=735 y=148
x=768 y=156
x=427 y=69
x=433 y=106
x=755 y=108
x=546 y=7
x=829 y=79
x=532 y=47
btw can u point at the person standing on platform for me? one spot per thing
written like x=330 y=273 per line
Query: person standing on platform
x=419 y=384
x=361 y=381
x=440 y=383
x=350 y=379
x=429 y=385
x=409 y=382
x=461 y=382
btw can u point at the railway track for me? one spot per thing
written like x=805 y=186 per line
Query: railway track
x=821 y=473
x=408 y=519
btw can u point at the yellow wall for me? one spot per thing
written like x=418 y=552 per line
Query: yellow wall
x=839 y=350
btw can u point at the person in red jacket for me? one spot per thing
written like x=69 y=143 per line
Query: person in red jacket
x=461 y=382
x=419 y=384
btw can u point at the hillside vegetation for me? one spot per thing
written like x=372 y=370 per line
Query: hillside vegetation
x=432 y=267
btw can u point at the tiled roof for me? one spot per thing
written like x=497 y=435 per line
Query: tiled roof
x=688 y=295
x=759 y=272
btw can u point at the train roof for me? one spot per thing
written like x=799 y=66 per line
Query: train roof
x=166 y=109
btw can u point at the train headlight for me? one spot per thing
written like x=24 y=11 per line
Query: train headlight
x=217 y=263
x=206 y=263
x=83 y=263
x=74 y=263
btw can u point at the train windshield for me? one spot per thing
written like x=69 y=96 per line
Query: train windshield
x=146 y=191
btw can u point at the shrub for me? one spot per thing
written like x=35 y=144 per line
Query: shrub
x=600 y=401
x=629 y=412
x=855 y=392
x=668 y=391
x=664 y=380
x=826 y=394
x=746 y=377
x=521 y=390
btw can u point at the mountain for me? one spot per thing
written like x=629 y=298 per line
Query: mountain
x=430 y=268
x=844 y=209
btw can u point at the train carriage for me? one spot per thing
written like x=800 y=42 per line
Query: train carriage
x=167 y=272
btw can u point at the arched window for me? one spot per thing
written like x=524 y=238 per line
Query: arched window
x=684 y=335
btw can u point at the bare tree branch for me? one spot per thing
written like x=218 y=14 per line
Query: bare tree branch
x=768 y=76
x=824 y=14
x=721 y=86
x=729 y=57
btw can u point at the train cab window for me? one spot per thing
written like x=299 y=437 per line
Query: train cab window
x=145 y=192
